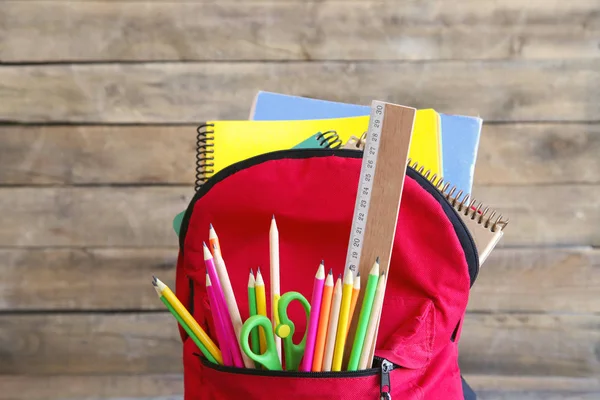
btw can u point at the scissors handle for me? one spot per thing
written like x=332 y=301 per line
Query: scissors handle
x=270 y=358
x=286 y=328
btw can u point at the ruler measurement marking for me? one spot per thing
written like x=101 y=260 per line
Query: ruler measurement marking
x=365 y=188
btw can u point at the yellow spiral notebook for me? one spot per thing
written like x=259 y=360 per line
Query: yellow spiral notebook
x=222 y=143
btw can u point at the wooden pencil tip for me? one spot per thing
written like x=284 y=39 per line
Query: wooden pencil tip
x=211 y=227
x=273 y=217
x=377 y=260
x=258 y=270
x=358 y=274
x=204 y=244
x=321 y=272
x=251 y=271
x=330 y=271
x=375 y=269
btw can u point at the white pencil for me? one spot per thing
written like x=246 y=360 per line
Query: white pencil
x=275 y=289
x=232 y=307
x=334 y=316
x=366 y=357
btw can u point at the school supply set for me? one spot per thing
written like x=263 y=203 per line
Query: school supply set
x=322 y=346
x=347 y=207
x=223 y=143
x=458 y=135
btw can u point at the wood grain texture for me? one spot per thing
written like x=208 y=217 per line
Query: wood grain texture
x=92 y=387
x=519 y=154
x=142 y=216
x=102 y=216
x=509 y=154
x=499 y=387
x=193 y=92
x=68 y=155
x=83 y=279
x=283 y=30
x=55 y=344
x=565 y=215
x=531 y=344
x=526 y=280
x=539 y=280
x=501 y=344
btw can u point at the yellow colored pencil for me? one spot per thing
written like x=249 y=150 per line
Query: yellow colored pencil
x=355 y=291
x=261 y=307
x=190 y=321
x=340 y=340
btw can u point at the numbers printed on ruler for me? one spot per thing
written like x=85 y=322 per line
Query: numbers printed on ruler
x=363 y=196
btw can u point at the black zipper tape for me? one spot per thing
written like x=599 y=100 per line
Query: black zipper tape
x=378 y=362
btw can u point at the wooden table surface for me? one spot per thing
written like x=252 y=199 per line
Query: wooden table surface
x=99 y=102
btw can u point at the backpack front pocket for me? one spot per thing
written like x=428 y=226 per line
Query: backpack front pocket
x=237 y=383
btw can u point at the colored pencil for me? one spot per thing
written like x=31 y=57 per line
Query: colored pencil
x=363 y=318
x=185 y=326
x=189 y=320
x=317 y=364
x=355 y=291
x=367 y=351
x=313 y=320
x=222 y=307
x=213 y=240
x=222 y=338
x=340 y=341
x=275 y=289
x=232 y=308
x=261 y=308
x=334 y=316
x=254 y=340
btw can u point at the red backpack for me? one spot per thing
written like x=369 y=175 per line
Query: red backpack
x=312 y=193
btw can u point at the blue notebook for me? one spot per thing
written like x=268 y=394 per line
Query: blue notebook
x=460 y=134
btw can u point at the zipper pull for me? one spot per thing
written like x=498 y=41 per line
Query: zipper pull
x=386 y=385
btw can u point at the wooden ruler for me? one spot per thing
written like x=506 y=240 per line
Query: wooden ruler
x=379 y=194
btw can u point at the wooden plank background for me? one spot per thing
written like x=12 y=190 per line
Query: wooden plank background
x=99 y=101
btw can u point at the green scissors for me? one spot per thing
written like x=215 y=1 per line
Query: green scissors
x=270 y=358
x=285 y=330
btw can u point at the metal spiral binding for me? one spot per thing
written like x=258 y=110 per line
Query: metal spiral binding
x=204 y=151
x=329 y=139
x=463 y=203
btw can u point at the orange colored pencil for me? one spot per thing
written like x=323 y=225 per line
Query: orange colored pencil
x=317 y=363
x=355 y=290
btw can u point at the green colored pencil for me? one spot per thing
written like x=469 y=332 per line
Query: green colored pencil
x=363 y=319
x=254 y=340
x=185 y=326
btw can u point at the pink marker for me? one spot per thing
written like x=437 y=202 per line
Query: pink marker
x=313 y=321
x=222 y=309
x=219 y=324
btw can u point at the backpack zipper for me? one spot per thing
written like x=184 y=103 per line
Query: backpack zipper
x=384 y=368
x=385 y=387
